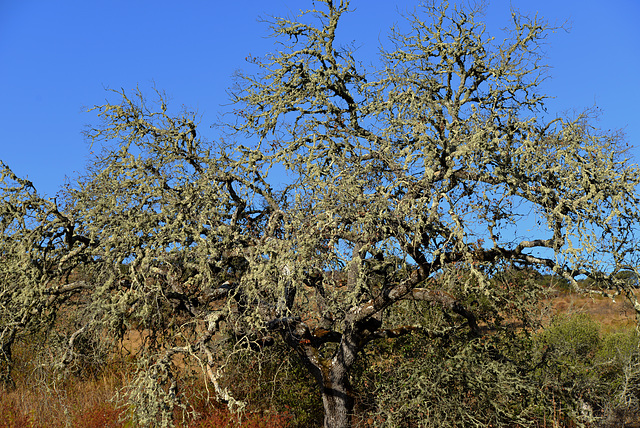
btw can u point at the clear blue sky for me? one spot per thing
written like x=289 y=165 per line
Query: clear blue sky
x=56 y=58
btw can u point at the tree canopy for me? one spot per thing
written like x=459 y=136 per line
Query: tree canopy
x=344 y=205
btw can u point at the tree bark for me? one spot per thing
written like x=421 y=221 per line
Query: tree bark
x=6 y=360
x=330 y=372
x=337 y=397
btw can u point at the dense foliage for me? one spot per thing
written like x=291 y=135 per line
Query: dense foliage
x=343 y=208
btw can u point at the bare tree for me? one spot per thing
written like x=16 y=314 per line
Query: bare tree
x=398 y=179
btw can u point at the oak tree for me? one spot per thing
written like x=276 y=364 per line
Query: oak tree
x=345 y=205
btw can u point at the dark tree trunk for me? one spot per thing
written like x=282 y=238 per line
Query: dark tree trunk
x=6 y=358
x=337 y=397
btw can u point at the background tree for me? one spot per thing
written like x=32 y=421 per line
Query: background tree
x=407 y=194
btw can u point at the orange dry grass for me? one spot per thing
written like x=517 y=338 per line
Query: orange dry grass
x=221 y=418
x=87 y=404
x=79 y=404
x=41 y=401
x=610 y=314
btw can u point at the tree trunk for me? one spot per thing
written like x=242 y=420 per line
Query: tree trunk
x=337 y=397
x=6 y=360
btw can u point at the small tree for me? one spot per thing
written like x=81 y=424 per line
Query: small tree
x=424 y=180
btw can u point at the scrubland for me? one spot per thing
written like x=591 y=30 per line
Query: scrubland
x=593 y=338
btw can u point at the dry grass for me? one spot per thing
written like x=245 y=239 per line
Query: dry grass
x=611 y=314
x=88 y=404
x=43 y=399
x=77 y=404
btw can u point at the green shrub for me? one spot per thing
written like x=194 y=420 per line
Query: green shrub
x=449 y=383
x=572 y=337
x=273 y=380
x=591 y=372
x=572 y=373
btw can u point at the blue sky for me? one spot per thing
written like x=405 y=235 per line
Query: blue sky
x=56 y=58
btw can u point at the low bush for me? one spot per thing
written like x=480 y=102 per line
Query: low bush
x=275 y=381
x=571 y=373
x=599 y=368
x=589 y=376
